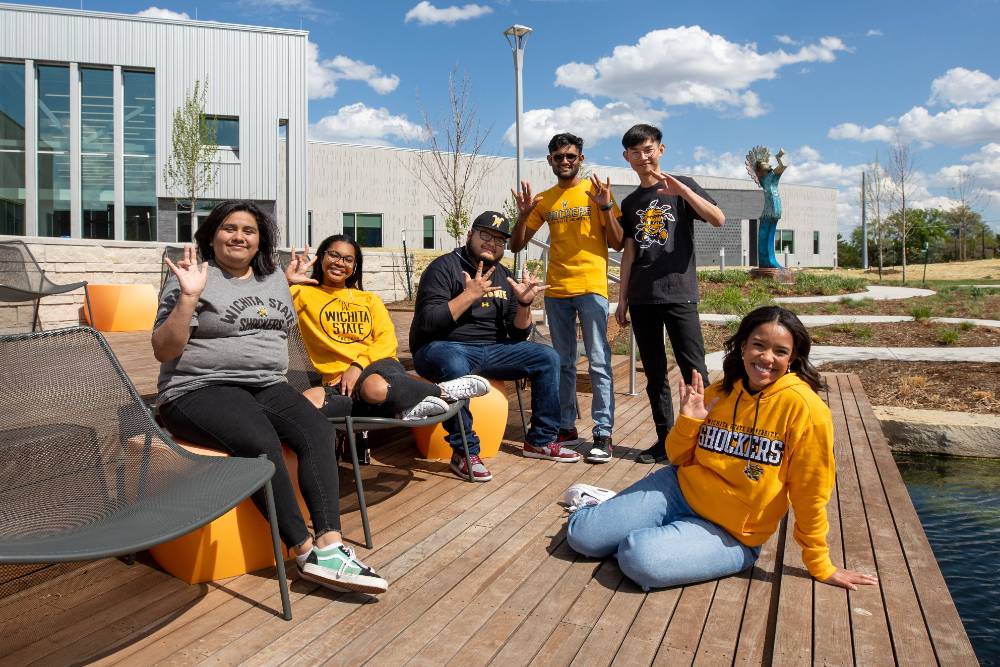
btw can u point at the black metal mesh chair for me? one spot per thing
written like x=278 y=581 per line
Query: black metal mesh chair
x=23 y=280
x=85 y=473
x=302 y=375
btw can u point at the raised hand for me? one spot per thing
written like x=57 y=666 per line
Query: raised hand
x=300 y=267
x=528 y=288
x=693 y=398
x=479 y=284
x=599 y=193
x=524 y=200
x=191 y=276
x=669 y=185
x=850 y=579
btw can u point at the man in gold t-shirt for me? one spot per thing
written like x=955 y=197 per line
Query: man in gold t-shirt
x=583 y=221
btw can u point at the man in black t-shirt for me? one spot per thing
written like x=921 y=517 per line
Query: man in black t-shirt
x=659 y=280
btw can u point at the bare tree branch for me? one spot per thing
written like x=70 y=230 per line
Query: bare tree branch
x=901 y=172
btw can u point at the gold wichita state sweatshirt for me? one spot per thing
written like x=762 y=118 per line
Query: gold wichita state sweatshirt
x=751 y=455
x=343 y=325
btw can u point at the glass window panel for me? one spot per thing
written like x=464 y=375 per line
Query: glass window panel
x=140 y=199
x=53 y=108
x=784 y=241
x=53 y=194
x=349 y=223
x=11 y=106
x=12 y=193
x=428 y=232
x=227 y=130
x=97 y=127
x=97 y=177
x=815 y=243
x=140 y=112
x=369 y=230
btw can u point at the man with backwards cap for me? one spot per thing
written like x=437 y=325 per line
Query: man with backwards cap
x=471 y=316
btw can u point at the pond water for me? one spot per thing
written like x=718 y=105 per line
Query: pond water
x=958 y=501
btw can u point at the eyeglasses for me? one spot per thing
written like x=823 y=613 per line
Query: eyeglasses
x=637 y=153
x=335 y=257
x=492 y=239
x=565 y=157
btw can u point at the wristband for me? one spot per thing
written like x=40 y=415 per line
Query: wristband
x=357 y=365
x=525 y=305
x=610 y=205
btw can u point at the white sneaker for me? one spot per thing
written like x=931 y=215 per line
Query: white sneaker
x=467 y=386
x=432 y=406
x=585 y=495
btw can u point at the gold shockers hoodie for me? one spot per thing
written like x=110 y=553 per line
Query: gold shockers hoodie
x=752 y=455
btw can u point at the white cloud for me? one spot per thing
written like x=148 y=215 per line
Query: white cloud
x=357 y=123
x=286 y=5
x=583 y=118
x=425 y=13
x=981 y=167
x=688 y=65
x=160 y=13
x=858 y=133
x=785 y=39
x=962 y=87
x=873 y=32
x=322 y=76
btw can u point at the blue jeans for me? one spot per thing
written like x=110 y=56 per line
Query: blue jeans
x=658 y=539
x=593 y=311
x=446 y=360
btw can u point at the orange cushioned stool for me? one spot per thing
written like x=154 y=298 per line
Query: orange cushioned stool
x=489 y=420
x=237 y=542
x=121 y=307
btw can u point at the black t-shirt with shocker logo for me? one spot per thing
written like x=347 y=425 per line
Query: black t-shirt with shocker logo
x=662 y=228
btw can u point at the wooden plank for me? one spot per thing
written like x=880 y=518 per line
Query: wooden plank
x=869 y=626
x=757 y=627
x=950 y=641
x=680 y=642
x=607 y=634
x=722 y=626
x=794 y=625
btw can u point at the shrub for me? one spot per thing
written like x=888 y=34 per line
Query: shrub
x=920 y=313
x=821 y=283
x=948 y=337
x=727 y=277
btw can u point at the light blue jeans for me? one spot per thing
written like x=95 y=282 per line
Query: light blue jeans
x=593 y=311
x=658 y=539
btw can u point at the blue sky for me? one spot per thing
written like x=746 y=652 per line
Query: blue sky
x=832 y=83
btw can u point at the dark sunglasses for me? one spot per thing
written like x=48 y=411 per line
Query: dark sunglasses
x=565 y=157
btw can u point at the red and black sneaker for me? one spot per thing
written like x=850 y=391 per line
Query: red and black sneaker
x=551 y=452
x=568 y=437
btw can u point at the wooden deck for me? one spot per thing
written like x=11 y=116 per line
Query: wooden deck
x=481 y=573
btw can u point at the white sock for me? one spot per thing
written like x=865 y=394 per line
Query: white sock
x=329 y=547
x=301 y=559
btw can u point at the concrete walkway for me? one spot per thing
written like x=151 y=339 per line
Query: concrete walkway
x=826 y=320
x=874 y=292
x=821 y=354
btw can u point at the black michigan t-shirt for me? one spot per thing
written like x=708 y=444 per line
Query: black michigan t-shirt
x=662 y=227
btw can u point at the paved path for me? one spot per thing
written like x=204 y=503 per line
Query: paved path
x=875 y=292
x=821 y=354
x=826 y=320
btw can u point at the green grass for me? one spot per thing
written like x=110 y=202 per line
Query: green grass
x=821 y=283
x=966 y=326
x=730 y=299
x=920 y=313
x=947 y=336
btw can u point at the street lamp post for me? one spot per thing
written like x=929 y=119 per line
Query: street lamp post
x=516 y=36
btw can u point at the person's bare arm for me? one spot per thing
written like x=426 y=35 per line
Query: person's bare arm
x=600 y=195
x=525 y=203
x=621 y=312
x=170 y=337
x=705 y=209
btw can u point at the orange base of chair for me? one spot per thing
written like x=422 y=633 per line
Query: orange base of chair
x=489 y=419
x=237 y=542
x=121 y=307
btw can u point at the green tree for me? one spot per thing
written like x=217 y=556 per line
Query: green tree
x=922 y=226
x=848 y=253
x=191 y=168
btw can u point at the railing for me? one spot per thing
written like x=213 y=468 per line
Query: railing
x=612 y=278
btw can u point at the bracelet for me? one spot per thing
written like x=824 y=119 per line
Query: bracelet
x=525 y=305
x=357 y=365
x=611 y=205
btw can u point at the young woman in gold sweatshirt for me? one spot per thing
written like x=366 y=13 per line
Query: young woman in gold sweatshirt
x=741 y=451
x=352 y=342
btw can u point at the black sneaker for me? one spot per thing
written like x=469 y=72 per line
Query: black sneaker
x=655 y=454
x=600 y=450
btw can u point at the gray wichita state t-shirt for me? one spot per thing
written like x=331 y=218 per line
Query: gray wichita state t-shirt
x=239 y=334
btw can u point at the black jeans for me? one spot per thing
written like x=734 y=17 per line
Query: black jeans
x=404 y=392
x=250 y=421
x=684 y=329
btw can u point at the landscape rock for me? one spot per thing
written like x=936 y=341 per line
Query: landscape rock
x=940 y=432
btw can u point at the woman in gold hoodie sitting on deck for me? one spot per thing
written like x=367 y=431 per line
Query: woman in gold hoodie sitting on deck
x=740 y=451
x=352 y=342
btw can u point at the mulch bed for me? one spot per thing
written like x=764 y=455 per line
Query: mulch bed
x=899 y=334
x=927 y=385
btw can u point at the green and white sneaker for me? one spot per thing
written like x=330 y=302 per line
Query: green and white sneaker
x=338 y=568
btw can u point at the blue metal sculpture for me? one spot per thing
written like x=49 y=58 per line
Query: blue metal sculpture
x=758 y=165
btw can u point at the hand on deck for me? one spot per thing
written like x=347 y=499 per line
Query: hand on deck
x=299 y=268
x=478 y=284
x=850 y=579
x=191 y=275
x=529 y=287
x=693 y=398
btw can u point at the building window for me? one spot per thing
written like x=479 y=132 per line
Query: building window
x=97 y=146
x=428 y=232
x=140 y=156
x=184 y=232
x=309 y=227
x=815 y=242
x=12 y=195
x=53 y=151
x=365 y=228
x=226 y=129
x=784 y=241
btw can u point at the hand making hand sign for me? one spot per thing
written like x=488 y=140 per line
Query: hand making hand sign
x=479 y=284
x=299 y=268
x=524 y=200
x=669 y=185
x=600 y=193
x=693 y=398
x=191 y=275
x=527 y=289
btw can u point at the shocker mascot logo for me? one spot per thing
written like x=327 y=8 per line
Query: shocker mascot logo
x=497 y=221
x=346 y=322
x=654 y=224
